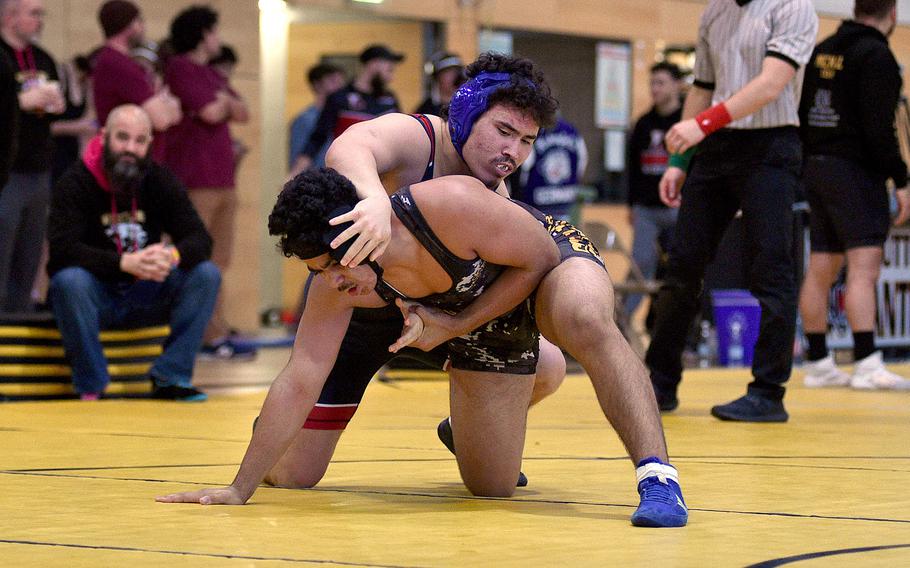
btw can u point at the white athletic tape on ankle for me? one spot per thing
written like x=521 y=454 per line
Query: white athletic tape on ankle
x=663 y=472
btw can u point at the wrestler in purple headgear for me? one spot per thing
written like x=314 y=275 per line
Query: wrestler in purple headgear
x=477 y=95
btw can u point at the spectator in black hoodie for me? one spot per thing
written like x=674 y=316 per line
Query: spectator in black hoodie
x=108 y=265
x=851 y=91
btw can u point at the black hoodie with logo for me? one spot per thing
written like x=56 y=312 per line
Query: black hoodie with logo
x=850 y=94
x=90 y=227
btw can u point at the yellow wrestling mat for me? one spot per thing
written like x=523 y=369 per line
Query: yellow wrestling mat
x=830 y=488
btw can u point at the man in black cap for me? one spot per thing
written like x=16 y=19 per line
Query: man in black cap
x=366 y=97
x=447 y=73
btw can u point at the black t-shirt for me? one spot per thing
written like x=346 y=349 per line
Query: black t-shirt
x=32 y=64
x=647 y=157
x=9 y=117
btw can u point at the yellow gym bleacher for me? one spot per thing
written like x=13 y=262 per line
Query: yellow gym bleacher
x=33 y=364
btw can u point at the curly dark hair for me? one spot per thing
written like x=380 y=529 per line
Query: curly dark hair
x=301 y=215
x=189 y=27
x=536 y=100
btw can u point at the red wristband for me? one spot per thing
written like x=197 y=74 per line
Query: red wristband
x=713 y=119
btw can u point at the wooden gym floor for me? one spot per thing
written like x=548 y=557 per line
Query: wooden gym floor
x=830 y=488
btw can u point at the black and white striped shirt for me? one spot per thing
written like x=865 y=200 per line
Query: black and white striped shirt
x=734 y=38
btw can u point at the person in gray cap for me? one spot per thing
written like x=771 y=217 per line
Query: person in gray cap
x=447 y=74
x=366 y=97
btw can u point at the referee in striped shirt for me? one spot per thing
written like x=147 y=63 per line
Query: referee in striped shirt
x=740 y=122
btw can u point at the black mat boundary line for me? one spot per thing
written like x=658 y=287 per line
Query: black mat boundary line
x=444 y=459
x=199 y=554
x=812 y=555
x=784 y=457
x=804 y=466
x=129 y=435
x=69 y=397
x=467 y=497
x=115 y=467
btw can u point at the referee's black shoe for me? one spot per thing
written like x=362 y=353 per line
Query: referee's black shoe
x=752 y=408
x=444 y=431
x=666 y=401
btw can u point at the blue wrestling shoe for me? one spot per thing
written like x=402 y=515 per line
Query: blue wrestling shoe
x=444 y=431
x=662 y=502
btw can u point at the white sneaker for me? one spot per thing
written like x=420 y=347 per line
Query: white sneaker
x=824 y=373
x=870 y=374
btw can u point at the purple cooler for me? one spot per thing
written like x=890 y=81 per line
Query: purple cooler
x=737 y=315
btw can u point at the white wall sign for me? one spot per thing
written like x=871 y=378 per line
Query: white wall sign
x=613 y=87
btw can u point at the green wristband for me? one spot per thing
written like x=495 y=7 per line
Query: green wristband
x=681 y=161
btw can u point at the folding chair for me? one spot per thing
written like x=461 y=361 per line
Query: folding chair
x=607 y=242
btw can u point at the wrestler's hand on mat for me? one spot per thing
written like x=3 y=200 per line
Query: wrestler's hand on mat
x=670 y=185
x=210 y=496
x=372 y=226
x=903 y=205
x=438 y=326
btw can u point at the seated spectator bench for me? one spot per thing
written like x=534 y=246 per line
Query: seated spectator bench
x=33 y=365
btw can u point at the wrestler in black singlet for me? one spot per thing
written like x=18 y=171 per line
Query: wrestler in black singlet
x=365 y=347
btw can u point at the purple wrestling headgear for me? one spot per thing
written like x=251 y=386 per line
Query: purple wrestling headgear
x=472 y=100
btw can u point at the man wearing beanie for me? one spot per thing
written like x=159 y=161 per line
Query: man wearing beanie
x=118 y=80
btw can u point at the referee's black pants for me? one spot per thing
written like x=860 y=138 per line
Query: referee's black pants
x=756 y=171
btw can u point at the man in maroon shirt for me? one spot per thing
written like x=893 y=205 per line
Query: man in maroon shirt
x=199 y=149
x=118 y=80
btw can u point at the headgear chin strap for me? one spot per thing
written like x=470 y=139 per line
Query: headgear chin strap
x=472 y=100
x=338 y=253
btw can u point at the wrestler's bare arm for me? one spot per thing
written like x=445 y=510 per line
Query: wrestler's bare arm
x=291 y=396
x=392 y=143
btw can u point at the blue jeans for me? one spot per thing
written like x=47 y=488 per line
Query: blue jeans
x=653 y=230
x=84 y=305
